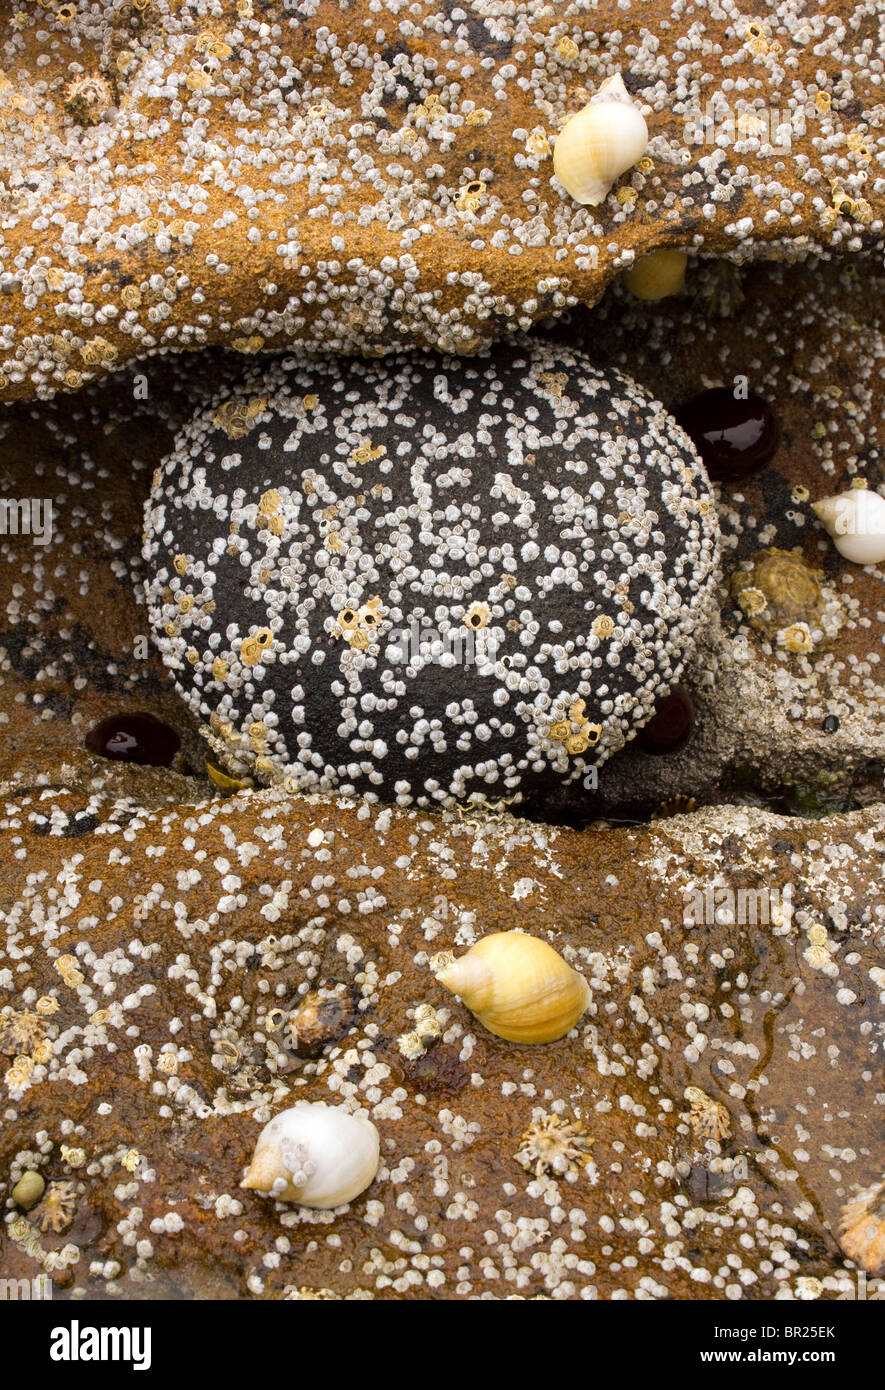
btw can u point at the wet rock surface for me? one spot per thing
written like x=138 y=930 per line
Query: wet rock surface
x=356 y=179
x=697 y=1134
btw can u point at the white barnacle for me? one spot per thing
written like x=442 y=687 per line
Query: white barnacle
x=600 y=143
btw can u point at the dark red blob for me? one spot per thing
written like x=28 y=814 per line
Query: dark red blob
x=134 y=738
x=735 y=438
x=670 y=726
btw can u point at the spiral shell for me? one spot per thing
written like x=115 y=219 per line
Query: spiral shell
x=315 y=1154
x=600 y=143
x=856 y=521
x=518 y=987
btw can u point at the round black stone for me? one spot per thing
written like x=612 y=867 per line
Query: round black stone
x=134 y=738
x=830 y=724
x=734 y=437
x=425 y=578
x=669 y=728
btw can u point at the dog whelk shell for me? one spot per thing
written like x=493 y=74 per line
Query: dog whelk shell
x=856 y=521
x=657 y=275
x=315 y=1154
x=518 y=987
x=600 y=143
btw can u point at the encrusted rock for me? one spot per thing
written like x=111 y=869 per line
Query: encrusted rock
x=355 y=178
x=480 y=1139
x=538 y=528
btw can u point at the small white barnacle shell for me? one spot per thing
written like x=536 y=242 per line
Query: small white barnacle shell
x=315 y=1154
x=856 y=521
x=518 y=987
x=600 y=143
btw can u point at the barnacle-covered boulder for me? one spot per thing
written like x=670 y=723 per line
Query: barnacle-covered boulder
x=272 y=174
x=429 y=578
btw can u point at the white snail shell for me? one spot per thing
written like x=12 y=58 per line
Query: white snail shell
x=315 y=1154
x=856 y=521
x=600 y=143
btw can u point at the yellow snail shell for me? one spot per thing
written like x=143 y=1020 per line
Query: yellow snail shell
x=657 y=275
x=856 y=521
x=600 y=143
x=518 y=987
x=315 y=1154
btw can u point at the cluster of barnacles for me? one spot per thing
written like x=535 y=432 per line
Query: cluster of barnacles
x=554 y=1145
x=707 y=1118
x=426 y=1033
x=576 y=732
x=494 y=812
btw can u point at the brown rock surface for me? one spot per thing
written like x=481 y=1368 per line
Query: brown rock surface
x=167 y=946
x=351 y=177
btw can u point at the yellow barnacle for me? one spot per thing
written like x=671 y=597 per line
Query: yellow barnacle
x=269 y=502
x=359 y=640
x=370 y=613
x=479 y=116
x=470 y=197
x=366 y=453
x=577 y=743
x=253 y=648
x=561 y=730
x=348 y=619
x=477 y=616
x=537 y=144
x=752 y=601
x=219 y=669
x=310 y=402
x=567 y=48
x=796 y=638
x=603 y=626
